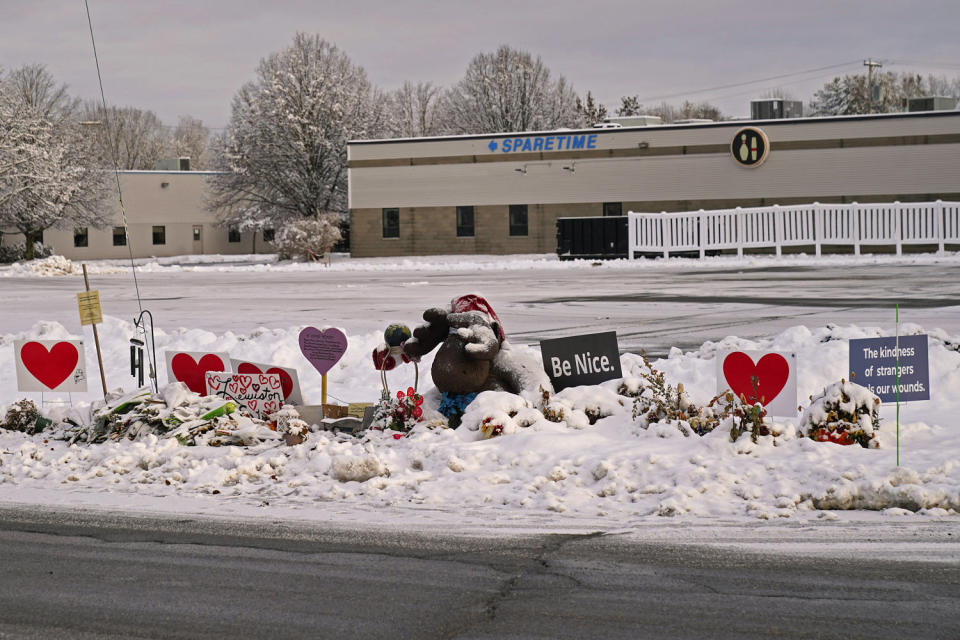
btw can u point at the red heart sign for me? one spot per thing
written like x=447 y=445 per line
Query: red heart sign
x=50 y=367
x=193 y=373
x=286 y=382
x=771 y=374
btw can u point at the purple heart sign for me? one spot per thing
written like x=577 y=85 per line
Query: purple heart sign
x=323 y=348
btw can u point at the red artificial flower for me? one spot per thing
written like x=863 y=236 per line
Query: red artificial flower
x=411 y=391
x=418 y=400
x=399 y=395
x=417 y=412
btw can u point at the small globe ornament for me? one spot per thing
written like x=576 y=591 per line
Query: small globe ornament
x=396 y=334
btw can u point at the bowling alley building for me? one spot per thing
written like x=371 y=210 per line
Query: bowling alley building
x=503 y=193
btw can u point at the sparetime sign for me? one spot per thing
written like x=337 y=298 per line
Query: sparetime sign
x=579 y=360
x=873 y=364
x=556 y=142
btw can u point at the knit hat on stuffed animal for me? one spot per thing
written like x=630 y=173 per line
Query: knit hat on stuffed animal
x=473 y=302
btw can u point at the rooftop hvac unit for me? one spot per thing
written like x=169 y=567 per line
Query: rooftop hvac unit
x=931 y=103
x=172 y=164
x=775 y=108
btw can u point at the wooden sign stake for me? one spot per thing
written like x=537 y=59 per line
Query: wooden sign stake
x=323 y=389
x=96 y=338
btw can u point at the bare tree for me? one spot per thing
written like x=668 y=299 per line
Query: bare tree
x=192 y=140
x=46 y=175
x=415 y=110
x=133 y=138
x=509 y=90
x=631 y=106
x=283 y=154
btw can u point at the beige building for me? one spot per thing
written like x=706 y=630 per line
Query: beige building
x=166 y=216
x=502 y=193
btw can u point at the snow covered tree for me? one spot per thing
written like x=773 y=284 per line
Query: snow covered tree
x=590 y=111
x=46 y=176
x=849 y=95
x=415 y=110
x=308 y=238
x=509 y=90
x=283 y=154
x=134 y=138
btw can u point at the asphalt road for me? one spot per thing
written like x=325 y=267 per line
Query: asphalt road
x=96 y=575
x=652 y=306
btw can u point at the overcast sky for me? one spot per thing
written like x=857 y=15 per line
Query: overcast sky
x=181 y=57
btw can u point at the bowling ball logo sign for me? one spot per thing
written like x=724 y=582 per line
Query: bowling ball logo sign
x=749 y=147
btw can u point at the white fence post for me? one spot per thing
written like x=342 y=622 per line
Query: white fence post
x=855 y=210
x=702 y=240
x=938 y=223
x=896 y=226
x=739 y=220
x=817 y=225
x=631 y=233
x=778 y=228
x=666 y=234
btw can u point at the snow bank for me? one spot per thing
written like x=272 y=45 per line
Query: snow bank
x=580 y=453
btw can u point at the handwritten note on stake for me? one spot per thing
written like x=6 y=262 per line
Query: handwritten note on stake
x=323 y=348
x=260 y=393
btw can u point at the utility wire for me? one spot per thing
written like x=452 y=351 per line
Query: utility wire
x=748 y=82
x=116 y=165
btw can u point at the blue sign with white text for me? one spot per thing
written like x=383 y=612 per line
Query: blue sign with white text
x=553 y=142
x=873 y=364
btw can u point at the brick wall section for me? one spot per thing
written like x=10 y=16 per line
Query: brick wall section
x=433 y=230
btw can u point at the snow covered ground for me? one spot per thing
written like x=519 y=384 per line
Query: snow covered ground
x=612 y=475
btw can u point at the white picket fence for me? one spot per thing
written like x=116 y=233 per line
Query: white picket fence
x=815 y=225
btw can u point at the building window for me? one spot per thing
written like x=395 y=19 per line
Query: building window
x=38 y=237
x=80 y=237
x=119 y=237
x=613 y=208
x=197 y=233
x=391 y=223
x=233 y=234
x=464 y=222
x=269 y=235
x=159 y=235
x=518 y=219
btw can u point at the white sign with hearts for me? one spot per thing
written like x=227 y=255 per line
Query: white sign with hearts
x=260 y=393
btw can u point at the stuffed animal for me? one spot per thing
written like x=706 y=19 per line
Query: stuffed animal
x=474 y=355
